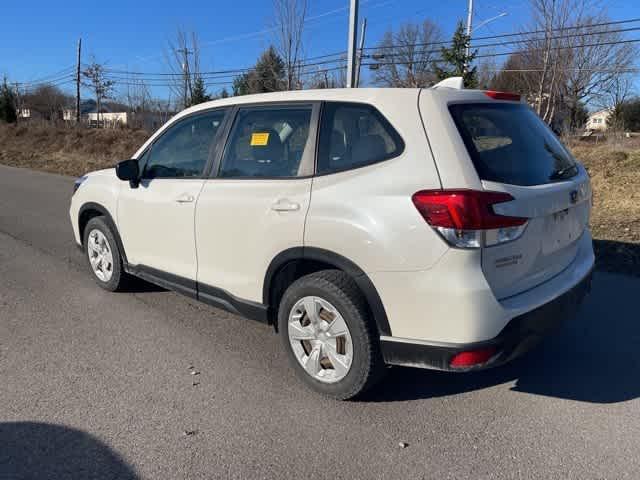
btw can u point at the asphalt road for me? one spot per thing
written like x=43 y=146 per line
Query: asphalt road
x=98 y=385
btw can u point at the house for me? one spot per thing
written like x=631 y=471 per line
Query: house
x=598 y=120
x=115 y=115
x=29 y=114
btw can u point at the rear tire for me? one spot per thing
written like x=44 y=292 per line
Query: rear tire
x=335 y=350
x=104 y=256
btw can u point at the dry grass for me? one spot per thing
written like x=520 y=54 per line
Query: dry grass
x=68 y=151
x=615 y=220
x=615 y=178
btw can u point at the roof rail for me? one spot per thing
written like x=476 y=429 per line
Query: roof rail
x=456 y=83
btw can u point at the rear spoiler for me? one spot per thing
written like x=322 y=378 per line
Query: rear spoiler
x=456 y=83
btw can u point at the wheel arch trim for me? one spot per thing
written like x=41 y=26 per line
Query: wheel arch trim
x=338 y=261
x=109 y=219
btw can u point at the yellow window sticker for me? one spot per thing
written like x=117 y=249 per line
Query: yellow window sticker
x=259 y=139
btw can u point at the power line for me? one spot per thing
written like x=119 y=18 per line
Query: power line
x=49 y=78
x=337 y=61
x=52 y=83
x=505 y=35
x=557 y=37
x=511 y=52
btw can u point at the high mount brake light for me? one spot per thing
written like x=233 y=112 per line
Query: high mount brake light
x=502 y=95
x=465 y=218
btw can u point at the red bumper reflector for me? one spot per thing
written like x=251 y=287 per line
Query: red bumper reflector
x=472 y=357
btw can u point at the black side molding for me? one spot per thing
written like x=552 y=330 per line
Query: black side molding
x=225 y=300
x=166 y=280
x=213 y=296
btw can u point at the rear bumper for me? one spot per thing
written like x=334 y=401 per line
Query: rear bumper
x=520 y=335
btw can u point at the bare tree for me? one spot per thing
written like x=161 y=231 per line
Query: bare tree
x=407 y=56
x=619 y=92
x=574 y=60
x=598 y=63
x=546 y=53
x=95 y=79
x=183 y=59
x=137 y=96
x=290 y=17
x=47 y=100
x=326 y=78
x=486 y=71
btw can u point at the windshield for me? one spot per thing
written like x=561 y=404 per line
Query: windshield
x=508 y=143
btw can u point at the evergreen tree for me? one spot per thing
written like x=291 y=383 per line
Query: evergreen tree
x=7 y=103
x=241 y=85
x=268 y=75
x=199 y=93
x=630 y=114
x=455 y=62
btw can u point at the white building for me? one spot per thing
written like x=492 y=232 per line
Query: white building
x=598 y=120
x=148 y=120
x=28 y=114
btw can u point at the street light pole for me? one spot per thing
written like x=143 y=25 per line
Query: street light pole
x=351 y=55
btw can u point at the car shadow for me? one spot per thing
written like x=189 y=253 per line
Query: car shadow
x=617 y=257
x=47 y=451
x=138 y=285
x=594 y=357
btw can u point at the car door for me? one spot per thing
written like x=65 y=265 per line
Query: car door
x=155 y=219
x=254 y=207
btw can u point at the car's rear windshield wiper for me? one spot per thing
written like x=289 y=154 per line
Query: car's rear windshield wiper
x=563 y=173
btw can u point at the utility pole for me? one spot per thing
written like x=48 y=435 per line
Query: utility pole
x=78 y=83
x=363 y=32
x=469 y=25
x=186 y=74
x=353 y=33
x=18 y=101
x=469 y=28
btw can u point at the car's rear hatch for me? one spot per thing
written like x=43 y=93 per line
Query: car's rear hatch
x=513 y=151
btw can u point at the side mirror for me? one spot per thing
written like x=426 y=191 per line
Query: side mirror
x=128 y=170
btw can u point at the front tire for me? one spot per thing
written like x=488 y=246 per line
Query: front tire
x=103 y=255
x=329 y=336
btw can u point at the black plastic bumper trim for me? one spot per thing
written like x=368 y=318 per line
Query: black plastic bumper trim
x=520 y=335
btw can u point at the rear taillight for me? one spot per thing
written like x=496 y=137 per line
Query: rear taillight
x=465 y=218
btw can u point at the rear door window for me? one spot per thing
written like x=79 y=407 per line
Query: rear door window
x=509 y=143
x=354 y=135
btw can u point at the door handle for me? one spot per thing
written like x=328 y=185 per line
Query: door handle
x=284 y=205
x=185 y=199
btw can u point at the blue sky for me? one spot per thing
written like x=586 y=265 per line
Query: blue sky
x=38 y=38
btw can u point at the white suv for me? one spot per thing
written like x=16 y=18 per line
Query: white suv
x=440 y=228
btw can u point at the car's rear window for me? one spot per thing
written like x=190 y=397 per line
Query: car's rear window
x=508 y=143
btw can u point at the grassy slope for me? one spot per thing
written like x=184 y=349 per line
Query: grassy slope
x=68 y=151
x=615 y=219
